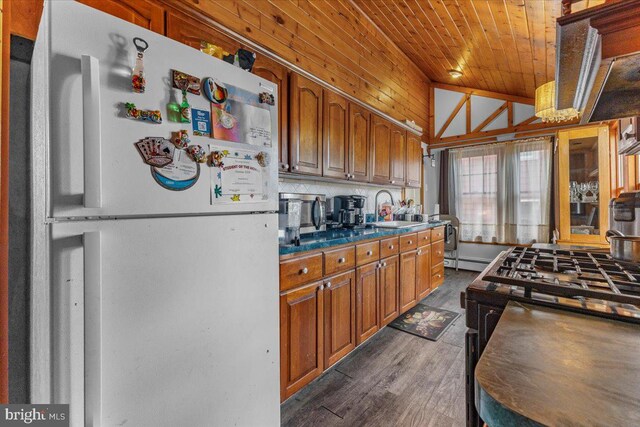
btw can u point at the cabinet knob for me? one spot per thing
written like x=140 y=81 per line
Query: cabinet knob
x=410 y=242
x=304 y=270
x=390 y=246
x=296 y=167
x=384 y=264
x=419 y=252
x=341 y=260
x=393 y=182
x=328 y=285
x=369 y=253
x=321 y=287
x=285 y=166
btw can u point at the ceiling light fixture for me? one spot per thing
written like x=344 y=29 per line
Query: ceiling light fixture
x=455 y=73
x=546 y=105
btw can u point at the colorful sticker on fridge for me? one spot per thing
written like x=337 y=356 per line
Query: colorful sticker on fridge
x=197 y=153
x=201 y=120
x=214 y=91
x=181 y=139
x=179 y=175
x=238 y=176
x=156 y=151
x=154 y=116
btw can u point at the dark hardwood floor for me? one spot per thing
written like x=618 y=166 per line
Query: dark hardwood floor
x=394 y=379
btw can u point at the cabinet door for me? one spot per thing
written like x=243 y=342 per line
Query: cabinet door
x=380 y=150
x=388 y=290
x=339 y=317
x=413 y=170
x=336 y=136
x=367 y=305
x=277 y=73
x=398 y=155
x=144 y=13
x=301 y=338
x=358 y=150
x=189 y=31
x=407 y=280
x=423 y=272
x=305 y=134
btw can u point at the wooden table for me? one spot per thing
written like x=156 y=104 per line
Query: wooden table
x=551 y=367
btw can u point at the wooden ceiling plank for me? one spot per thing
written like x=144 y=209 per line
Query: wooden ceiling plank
x=520 y=33
x=534 y=11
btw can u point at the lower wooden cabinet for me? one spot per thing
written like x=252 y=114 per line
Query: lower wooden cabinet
x=301 y=337
x=423 y=271
x=388 y=275
x=408 y=267
x=367 y=306
x=339 y=316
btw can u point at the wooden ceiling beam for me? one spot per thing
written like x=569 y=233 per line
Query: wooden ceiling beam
x=485 y=93
x=452 y=116
x=491 y=118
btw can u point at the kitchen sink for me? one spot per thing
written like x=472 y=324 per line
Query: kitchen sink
x=395 y=224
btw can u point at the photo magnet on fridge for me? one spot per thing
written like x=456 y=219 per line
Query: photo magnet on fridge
x=201 y=120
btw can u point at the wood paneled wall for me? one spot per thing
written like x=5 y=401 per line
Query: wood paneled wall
x=331 y=39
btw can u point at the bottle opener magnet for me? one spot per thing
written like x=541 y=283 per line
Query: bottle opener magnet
x=137 y=77
x=185 y=108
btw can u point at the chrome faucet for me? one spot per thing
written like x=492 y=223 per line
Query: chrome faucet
x=376 y=201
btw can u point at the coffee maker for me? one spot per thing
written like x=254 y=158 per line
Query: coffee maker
x=289 y=220
x=348 y=211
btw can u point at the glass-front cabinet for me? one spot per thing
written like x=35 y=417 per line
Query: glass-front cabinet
x=583 y=185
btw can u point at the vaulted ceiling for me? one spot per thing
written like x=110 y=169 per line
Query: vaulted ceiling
x=505 y=46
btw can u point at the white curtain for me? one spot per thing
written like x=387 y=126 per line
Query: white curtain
x=501 y=192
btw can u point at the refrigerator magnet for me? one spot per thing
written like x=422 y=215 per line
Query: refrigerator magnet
x=197 y=153
x=201 y=120
x=192 y=83
x=138 y=81
x=155 y=151
x=181 y=139
x=215 y=91
x=179 y=175
x=132 y=112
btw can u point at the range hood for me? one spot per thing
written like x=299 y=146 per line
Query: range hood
x=598 y=61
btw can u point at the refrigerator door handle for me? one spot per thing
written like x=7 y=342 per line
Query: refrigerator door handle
x=92 y=328
x=92 y=134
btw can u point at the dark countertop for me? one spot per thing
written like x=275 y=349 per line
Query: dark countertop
x=551 y=367
x=329 y=238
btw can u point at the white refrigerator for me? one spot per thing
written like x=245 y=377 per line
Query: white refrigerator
x=150 y=306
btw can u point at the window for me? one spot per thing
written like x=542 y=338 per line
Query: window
x=501 y=192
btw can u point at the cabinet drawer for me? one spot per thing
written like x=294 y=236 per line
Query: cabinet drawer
x=408 y=242
x=437 y=252
x=367 y=252
x=389 y=247
x=339 y=260
x=437 y=275
x=298 y=271
x=424 y=237
x=437 y=234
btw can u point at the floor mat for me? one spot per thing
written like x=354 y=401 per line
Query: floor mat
x=425 y=321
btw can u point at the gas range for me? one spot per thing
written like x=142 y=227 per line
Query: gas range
x=587 y=281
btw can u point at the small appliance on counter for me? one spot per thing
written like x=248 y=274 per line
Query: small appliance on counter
x=348 y=211
x=312 y=211
x=289 y=220
x=624 y=227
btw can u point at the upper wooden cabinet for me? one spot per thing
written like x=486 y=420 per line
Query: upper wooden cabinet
x=335 y=135
x=398 y=155
x=277 y=73
x=380 y=150
x=358 y=147
x=192 y=32
x=413 y=169
x=144 y=13
x=305 y=125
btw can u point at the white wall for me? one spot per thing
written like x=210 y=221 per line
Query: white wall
x=473 y=256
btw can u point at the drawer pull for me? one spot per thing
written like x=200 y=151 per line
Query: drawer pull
x=369 y=253
x=390 y=246
x=304 y=270
x=341 y=260
x=419 y=252
x=410 y=242
x=328 y=285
